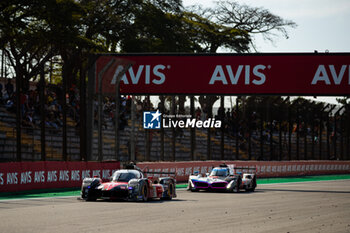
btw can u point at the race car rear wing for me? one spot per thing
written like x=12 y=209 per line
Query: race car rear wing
x=242 y=169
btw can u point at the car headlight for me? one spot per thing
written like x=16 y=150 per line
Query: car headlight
x=232 y=182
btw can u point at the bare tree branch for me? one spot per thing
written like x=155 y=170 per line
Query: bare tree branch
x=253 y=20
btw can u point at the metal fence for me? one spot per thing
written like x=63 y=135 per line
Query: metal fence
x=248 y=133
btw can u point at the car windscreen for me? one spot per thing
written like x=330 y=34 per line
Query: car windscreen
x=125 y=176
x=219 y=172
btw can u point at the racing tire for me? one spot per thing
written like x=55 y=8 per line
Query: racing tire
x=252 y=189
x=144 y=191
x=89 y=197
x=89 y=193
x=171 y=191
x=238 y=185
x=191 y=188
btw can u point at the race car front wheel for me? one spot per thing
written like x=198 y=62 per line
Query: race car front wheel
x=191 y=188
x=88 y=195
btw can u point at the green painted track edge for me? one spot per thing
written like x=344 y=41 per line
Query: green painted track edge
x=64 y=192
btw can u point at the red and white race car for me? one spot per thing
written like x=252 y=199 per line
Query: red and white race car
x=129 y=184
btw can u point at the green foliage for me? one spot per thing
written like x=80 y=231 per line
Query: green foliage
x=155 y=30
x=25 y=36
x=209 y=36
x=33 y=31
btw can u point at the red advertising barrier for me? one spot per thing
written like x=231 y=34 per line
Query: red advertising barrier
x=19 y=176
x=264 y=169
x=296 y=74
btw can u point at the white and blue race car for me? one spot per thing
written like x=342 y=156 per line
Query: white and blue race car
x=223 y=178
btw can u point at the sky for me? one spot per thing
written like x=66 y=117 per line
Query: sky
x=322 y=25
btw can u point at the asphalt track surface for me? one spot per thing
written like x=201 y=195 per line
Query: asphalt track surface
x=290 y=207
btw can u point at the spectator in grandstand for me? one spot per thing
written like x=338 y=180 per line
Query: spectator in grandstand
x=221 y=113
x=52 y=109
x=111 y=117
x=198 y=113
x=123 y=105
x=74 y=110
x=228 y=114
x=32 y=95
x=138 y=109
x=72 y=94
x=28 y=120
x=10 y=104
x=128 y=105
x=24 y=103
x=1 y=93
x=9 y=89
x=107 y=105
x=205 y=112
x=96 y=120
x=122 y=121
x=51 y=121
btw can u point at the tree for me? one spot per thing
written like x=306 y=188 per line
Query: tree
x=156 y=28
x=208 y=35
x=253 y=20
x=24 y=37
x=344 y=100
x=232 y=26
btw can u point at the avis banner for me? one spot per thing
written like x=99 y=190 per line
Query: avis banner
x=287 y=74
x=19 y=176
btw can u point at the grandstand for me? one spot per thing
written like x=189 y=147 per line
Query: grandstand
x=31 y=148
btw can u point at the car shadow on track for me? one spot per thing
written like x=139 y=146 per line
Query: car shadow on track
x=126 y=201
x=217 y=192
x=305 y=191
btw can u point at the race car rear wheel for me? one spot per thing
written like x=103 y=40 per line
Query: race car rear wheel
x=171 y=191
x=238 y=185
x=254 y=185
x=144 y=191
